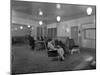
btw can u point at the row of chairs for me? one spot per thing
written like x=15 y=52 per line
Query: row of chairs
x=67 y=46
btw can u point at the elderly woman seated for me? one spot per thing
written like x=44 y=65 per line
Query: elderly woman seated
x=55 y=50
x=60 y=51
x=51 y=45
x=52 y=51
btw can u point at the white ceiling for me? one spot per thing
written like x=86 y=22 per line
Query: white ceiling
x=67 y=11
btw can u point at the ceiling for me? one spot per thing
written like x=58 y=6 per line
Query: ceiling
x=67 y=11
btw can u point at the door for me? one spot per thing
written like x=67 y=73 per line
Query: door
x=74 y=34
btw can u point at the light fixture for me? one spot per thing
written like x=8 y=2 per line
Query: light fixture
x=28 y=26
x=40 y=13
x=58 y=18
x=58 y=6
x=21 y=27
x=40 y=22
x=89 y=10
x=67 y=30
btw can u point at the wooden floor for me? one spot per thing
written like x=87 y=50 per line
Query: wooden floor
x=25 y=60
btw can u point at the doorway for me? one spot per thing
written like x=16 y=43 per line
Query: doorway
x=74 y=34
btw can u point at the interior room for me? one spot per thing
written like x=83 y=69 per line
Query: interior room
x=69 y=27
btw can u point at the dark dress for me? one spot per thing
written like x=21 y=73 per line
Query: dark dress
x=31 y=42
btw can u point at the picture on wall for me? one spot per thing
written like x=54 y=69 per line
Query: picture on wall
x=52 y=37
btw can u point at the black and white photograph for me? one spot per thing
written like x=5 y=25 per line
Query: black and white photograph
x=52 y=37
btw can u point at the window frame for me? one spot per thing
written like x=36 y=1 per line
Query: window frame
x=89 y=38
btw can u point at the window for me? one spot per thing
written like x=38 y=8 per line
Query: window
x=52 y=32
x=90 y=33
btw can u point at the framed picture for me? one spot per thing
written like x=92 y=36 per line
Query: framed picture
x=52 y=37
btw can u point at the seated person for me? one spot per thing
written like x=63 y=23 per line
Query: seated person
x=51 y=46
x=61 y=44
x=60 y=52
x=56 y=42
x=52 y=51
x=31 y=41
